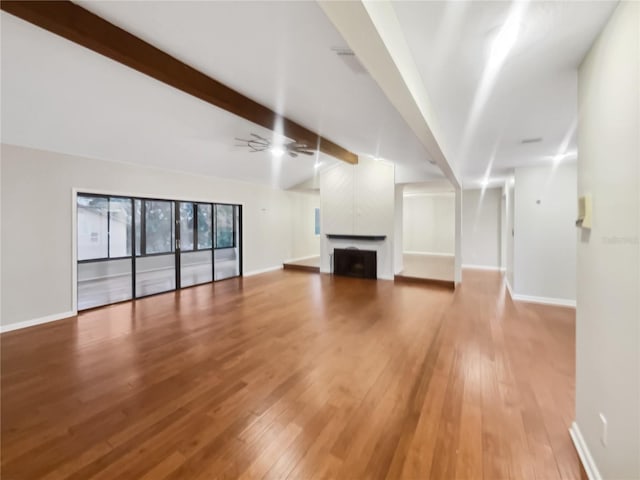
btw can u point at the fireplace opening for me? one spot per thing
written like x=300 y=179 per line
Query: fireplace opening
x=352 y=262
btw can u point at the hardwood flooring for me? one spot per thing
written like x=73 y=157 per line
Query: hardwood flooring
x=307 y=262
x=311 y=264
x=291 y=375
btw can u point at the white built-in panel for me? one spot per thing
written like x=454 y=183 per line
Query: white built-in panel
x=358 y=200
x=374 y=198
x=337 y=199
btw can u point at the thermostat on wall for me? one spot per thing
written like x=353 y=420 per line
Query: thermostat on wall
x=584 y=212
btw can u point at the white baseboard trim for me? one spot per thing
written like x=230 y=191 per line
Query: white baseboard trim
x=433 y=254
x=588 y=463
x=481 y=267
x=506 y=281
x=503 y=269
x=560 y=302
x=301 y=258
x=263 y=270
x=37 y=321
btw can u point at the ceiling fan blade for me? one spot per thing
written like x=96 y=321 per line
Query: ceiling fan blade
x=259 y=137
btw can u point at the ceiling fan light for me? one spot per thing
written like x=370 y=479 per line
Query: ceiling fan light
x=277 y=151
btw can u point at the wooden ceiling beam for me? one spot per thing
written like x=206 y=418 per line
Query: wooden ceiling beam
x=79 y=25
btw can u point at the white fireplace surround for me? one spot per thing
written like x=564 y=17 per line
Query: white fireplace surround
x=358 y=200
x=383 y=249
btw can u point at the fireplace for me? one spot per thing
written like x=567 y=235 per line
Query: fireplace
x=353 y=262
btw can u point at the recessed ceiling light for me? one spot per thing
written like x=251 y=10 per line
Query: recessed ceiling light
x=504 y=41
x=506 y=37
x=565 y=156
x=277 y=152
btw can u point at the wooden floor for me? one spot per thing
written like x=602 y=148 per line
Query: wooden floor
x=311 y=264
x=291 y=375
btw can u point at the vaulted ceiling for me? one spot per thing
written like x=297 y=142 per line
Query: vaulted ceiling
x=59 y=96
x=62 y=97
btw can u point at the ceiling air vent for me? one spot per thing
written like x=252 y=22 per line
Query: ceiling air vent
x=531 y=140
x=349 y=58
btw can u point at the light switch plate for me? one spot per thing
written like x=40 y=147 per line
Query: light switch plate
x=584 y=212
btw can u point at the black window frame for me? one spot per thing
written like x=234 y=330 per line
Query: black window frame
x=131 y=228
x=237 y=222
x=234 y=213
x=196 y=244
x=143 y=226
x=143 y=217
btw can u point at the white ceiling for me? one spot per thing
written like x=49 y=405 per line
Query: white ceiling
x=534 y=94
x=428 y=188
x=61 y=97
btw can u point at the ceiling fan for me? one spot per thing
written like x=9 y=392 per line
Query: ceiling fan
x=260 y=144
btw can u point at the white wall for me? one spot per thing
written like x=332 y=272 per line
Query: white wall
x=608 y=289
x=481 y=227
x=457 y=263
x=398 y=236
x=545 y=233
x=358 y=200
x=36 y=204
x=429 y=223
x=305 y=242
x=509 y=192
x=503 y=229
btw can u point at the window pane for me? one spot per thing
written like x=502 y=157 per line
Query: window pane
x=186 y=226
x=137 y=205
x=204 y=226
x=155 y=274
x=159 y=222
x=102 y=283
x=196 y=267
x=317 y=221
x=224 y=226
x=93 y=224
x=120 y=227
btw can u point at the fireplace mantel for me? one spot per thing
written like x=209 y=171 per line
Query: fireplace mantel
x=368 y=238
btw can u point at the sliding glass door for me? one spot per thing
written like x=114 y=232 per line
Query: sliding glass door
x=104 y=250
x=196 y=252
x=155 y=247
x=133 y=247
x=227 y=248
